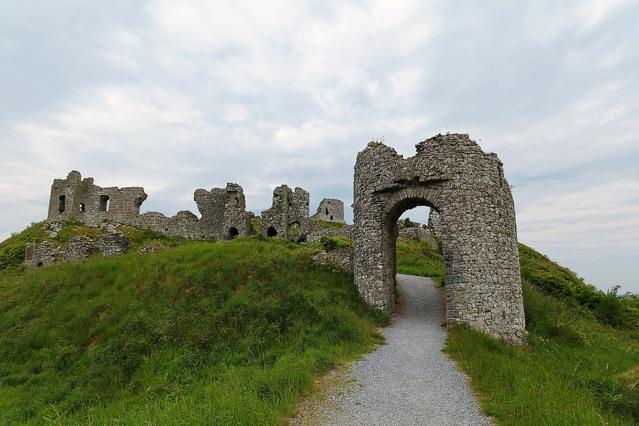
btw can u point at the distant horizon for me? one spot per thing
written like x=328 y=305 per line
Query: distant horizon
x=178 y=96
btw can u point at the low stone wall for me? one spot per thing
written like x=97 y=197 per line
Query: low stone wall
x=339 y=259
x=40 y=254
x=76 y=249
x=113 y=244
x=419 y=234
x=316 y=232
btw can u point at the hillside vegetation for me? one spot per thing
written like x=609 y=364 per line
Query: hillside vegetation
x=581 y=365
x=417 y=257
x=203 y=333
x=236 y=332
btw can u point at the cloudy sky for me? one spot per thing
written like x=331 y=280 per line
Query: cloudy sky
x=175 y=96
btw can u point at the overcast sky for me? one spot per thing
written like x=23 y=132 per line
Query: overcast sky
x=174 y=96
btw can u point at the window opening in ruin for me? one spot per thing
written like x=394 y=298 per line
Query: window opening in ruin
x=40 y=264
x=83 y=207
x=104 y=203
x=326 y=211
x=271 y=232
x=62 y=204
x=233 y=232
x=295 y=229
x=331 y=218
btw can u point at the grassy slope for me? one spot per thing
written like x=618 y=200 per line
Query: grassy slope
x=577 y=368
x=226 y=333
x=416 y=257
x=235 y=332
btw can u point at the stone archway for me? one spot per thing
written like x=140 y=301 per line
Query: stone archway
x=451 y=174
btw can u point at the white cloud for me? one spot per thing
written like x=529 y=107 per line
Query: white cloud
x=190 y=94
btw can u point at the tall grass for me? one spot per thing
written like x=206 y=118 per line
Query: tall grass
x=579 y=366
x=206 y=333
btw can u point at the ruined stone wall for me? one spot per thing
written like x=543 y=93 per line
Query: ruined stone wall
x=80 y=199
x=421 y=234
x=41 y=254
x=339 y=259
x=223 y=210
x=288 y=215
x=316 y=232
x=330 y=210
x=452 y=175
x=77 y=248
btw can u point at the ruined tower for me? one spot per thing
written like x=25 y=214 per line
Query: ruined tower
x=330 y=210
x=288 y=215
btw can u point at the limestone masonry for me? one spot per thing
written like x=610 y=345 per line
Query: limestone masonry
x=223 y=210
x=472 y=213
x=288 y=216
x=330 y=210
x=476 y=218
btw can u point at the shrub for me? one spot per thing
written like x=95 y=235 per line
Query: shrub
x=328 y=243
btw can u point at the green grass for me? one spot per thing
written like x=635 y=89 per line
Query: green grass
x=325 y=224
x=416 y=257
x=12 y=249
x=205 y=333
x=236 y=332
x=580 y=366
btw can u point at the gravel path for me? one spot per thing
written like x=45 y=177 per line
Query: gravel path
x=407 y=381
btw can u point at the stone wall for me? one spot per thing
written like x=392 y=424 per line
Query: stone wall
x=223 y=210
x=338 y=259
x=330 y=210
x=81 y=200
x=77 y=248
x=316 y=232
x=452 y=175
x=114 y=244
x=288 y=215
x=415 y=233
x=41 y=254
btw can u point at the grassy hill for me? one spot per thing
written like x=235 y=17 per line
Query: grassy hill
x=236 y=332
x=201 y=333
x=581 y=365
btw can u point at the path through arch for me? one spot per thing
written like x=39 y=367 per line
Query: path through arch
x=453 y=176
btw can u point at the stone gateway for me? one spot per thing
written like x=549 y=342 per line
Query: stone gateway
x=476 y=220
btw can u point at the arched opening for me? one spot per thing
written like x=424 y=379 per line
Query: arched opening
x=467 y=188
x=394 y=221
x=271 y=232
x=233 y=232
x=40 y=264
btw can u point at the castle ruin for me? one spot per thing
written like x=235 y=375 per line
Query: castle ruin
x=471 y=205
x=288 y=215
x=330 y=210
x=453 y=176
x=223 y=210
